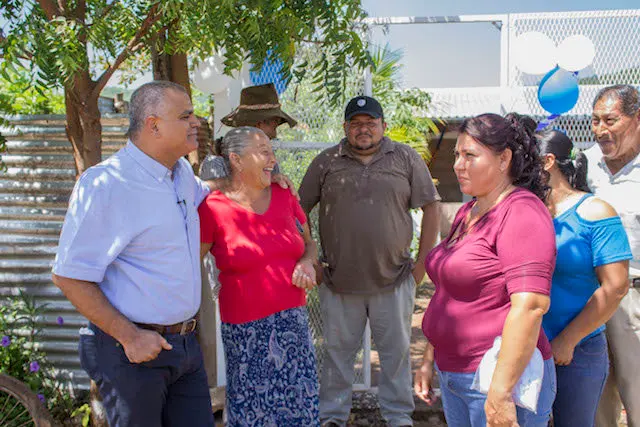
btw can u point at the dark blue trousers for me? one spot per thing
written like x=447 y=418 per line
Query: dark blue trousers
x=580 y=384
x=168 y=391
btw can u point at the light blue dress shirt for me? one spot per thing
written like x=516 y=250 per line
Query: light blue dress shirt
x=135 y=231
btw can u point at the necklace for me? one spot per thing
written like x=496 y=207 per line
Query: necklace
x=469 y=222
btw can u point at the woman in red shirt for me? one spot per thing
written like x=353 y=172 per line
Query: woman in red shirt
x=261 y=242
x=492 y=276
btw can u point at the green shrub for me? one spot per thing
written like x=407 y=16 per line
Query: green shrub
x=21 y=358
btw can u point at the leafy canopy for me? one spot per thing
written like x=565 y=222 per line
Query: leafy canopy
x=55 y=40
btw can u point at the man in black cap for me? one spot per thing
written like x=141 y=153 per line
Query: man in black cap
x=366 y=186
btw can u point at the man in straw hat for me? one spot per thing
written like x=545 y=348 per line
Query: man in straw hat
x=259 y=107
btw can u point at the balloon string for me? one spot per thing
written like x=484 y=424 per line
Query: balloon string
x=546 y=122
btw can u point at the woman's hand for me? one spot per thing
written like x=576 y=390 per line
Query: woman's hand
x=562 y=351
x=500 y=410
x=423 y=383
x=304 y=275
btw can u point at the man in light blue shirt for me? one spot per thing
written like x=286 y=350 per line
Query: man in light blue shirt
x=128 y=259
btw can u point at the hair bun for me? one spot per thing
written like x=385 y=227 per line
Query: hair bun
x=522 y=124
x=217 y=146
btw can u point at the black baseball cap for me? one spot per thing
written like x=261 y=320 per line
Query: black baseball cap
x=363 y=105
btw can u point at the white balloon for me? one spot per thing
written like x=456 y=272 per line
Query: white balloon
x=209 y=77
x=576 y=52
x=534 y=53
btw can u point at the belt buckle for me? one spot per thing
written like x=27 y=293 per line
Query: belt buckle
x=188 y=324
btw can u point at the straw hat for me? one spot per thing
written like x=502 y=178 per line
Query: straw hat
x=257 y=103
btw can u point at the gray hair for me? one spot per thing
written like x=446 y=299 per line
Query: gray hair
x=627 y=95
x=236 y=141
x=147 y=100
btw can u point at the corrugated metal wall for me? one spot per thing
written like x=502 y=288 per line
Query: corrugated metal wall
x=34 y=192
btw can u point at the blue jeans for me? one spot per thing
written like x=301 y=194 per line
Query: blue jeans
x=169 y=391
x=580 y=384
x=464 y=407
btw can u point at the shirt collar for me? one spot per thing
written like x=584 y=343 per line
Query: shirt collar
x=157 y=170
x=386 y=146
x=603 y=165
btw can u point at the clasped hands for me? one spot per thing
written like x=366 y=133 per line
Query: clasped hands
x=304 y=275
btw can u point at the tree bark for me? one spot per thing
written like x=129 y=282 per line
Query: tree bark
x=175 y=68
x=180 y=70
x=83 y=127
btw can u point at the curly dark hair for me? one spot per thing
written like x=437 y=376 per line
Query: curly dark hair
x=517 y=133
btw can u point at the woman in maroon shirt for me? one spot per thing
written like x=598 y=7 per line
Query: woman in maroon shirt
x=492 y=276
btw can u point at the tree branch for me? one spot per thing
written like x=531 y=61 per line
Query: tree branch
x=25 y=55
x=81 y=10
x=62 y=6
x=106 y=11
x=50 y=9
x=131 y=47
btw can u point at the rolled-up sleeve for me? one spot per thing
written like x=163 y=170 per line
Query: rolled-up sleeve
x=311 y=186
x=423 y=191
x=93 y=233
x=526 y=248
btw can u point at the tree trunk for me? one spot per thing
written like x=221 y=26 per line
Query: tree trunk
x=180 y=70
x=160 y=61
x=175 y=68
x=83 y=127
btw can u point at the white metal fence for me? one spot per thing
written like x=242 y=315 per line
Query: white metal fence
x=616 y=36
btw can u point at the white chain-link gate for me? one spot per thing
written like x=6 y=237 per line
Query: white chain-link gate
x=616 y=37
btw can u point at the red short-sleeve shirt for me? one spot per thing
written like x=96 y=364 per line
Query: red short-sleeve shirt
x=511 y=249
x=255 y=253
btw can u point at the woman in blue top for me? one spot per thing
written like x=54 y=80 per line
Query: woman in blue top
x=590 y=279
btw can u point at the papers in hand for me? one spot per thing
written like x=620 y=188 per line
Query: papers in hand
x=527 y=389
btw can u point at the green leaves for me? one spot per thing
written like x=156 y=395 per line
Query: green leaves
x=407 y=110
x=90 y=40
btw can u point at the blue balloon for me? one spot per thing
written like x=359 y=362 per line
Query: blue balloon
x=271 y=72
x=558 y=91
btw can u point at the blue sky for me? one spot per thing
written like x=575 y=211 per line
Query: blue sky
x=459 y=55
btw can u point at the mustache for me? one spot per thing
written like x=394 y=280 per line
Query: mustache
x=363 y=133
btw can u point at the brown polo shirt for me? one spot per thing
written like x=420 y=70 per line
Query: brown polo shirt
x=365 y=224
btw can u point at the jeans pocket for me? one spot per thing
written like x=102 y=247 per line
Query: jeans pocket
x=594 y=346
x=88 y=353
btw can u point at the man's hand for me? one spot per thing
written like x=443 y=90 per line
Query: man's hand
x=562 y=351
x=500 y=410
x=284 y=182
x=423 y=383
x=145 y=346
x=304 y=275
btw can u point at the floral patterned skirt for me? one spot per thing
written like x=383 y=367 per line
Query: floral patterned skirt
x=271 y=371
